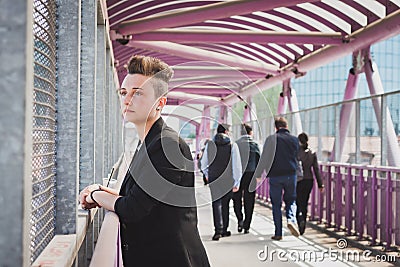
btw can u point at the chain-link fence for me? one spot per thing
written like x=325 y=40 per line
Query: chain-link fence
x=44 y=126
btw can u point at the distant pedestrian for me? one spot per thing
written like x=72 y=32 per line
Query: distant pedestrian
x=308 y=160
x=249 y=155
x=281 y=169
x=222 y=167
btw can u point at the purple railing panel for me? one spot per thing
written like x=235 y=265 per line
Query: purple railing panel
x=348 y=202
x=368 y=192
x=338 y=198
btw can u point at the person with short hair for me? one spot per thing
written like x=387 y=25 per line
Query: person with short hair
x=222 y=167
x=279 y=160
x=156 y=204
x=249 y=155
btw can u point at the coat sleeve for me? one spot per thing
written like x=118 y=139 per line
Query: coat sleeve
x=160 y=170
x=317 y=173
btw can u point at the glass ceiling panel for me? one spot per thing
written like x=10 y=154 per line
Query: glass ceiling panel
x=349 y=11
x=346 y=27
x=234 y=24
x=269 y=51
x=271 y=60
x=374 y=6
x=259 y=22
x=283 y=50
x=396 y=2
x=282 y=21
x=310 y=21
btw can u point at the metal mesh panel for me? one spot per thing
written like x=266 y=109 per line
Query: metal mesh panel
x=44 y=113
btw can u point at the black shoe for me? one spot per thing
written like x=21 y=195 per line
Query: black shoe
x=227 y=233
x=216 y=237
x=302 y=227
x=246 y=231
x=276 y=237
x=240 y=227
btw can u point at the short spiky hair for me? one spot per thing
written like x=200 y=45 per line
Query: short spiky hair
x=160 y=71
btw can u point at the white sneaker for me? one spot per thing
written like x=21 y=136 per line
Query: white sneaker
x=293 y=229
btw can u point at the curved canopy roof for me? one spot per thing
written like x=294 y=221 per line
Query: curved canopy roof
x=223 y=49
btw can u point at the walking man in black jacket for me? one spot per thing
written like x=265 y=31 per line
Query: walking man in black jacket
x=249 y=155
x=222 y=167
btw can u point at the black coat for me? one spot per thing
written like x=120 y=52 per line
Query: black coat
x=157 y=212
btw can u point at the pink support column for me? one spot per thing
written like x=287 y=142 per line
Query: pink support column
x=294 y=107
x=206 y=116
x=247 y=113
x=282 y=104
x=346 y=113
x=223 y=114
x=375 y=87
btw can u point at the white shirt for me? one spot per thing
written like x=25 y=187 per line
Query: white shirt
x=236 y=164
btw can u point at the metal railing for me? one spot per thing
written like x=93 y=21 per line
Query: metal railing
x=361 y=200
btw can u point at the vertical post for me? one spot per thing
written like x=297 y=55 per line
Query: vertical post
x=319 y=133
x=99 y=114
x=282 y=104
x=349 y=201
x=375 y=87
x=88 y=92
x=294 y=109
x=382 y=132
x=358 y=132
x=374 y=208
x=345 y=116
x=360 y=204
x=246 y=113
x=223 y=114
x=338 y=198
x=329 y=197
x=321 y=197
x=207 y=117
x=68 y=115
x=336 y=152
x=16 y=106
x=389 y=210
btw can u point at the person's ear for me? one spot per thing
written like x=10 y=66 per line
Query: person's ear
x=161 y=103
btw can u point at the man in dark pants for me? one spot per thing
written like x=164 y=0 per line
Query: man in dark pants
x=222 y=167
x=279 y=159
x=249 y=155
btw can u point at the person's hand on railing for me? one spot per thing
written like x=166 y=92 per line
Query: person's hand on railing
x=83 y=197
